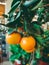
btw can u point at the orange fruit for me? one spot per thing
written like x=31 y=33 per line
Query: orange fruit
x=13 y=38
x=29 y=51
x=28 y=43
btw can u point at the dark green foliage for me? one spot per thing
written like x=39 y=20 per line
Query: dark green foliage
x=14 y=1
x=13 y=8
x=6 y=16
x=31 y=4
x=46 y=1
x=18 y=53
x=45 y=56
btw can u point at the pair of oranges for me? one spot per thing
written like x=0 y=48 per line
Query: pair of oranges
x=26 y=43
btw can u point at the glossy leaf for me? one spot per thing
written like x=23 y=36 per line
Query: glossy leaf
x=10 y=30
x=14 y=1
x=31 y=3
x=37 y=6
x=6 y=16
x=14 y=7
x=41 y=41
x=36 y=27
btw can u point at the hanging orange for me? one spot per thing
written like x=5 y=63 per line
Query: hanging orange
x=29 y=51
x=28 y=43
x=13 y=38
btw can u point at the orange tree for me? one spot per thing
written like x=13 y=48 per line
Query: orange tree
x=21 y=19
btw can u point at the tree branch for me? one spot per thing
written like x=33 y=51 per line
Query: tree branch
x=2 y=24
x=45 y=5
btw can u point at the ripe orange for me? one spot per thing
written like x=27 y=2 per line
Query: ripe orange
x=13 y=38
x=28 y=43
x=29 y=51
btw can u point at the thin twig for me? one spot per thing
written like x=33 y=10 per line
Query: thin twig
x=2 y=24
x=44 y=6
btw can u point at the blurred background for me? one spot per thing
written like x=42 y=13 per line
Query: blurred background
x=4 y=53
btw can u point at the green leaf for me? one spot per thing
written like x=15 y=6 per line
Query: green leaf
x=46 y=19
x=12 y=58
x=25 y=26
x=40 y=11
x=10 y=25
x=38 y=54
x=18 y=15
x=31 y=3
x=13 y=8
x=13 y=24
x=14 y=1
x=11 y=18
x=6 y=16
x=14 y=49
x=46 y=33
x=19 y=55
x=37 y=6
x=26 y=14
x=41 y=41
x=10 y=30
x=47 y=39
x=36 y=27
x=34 y=62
